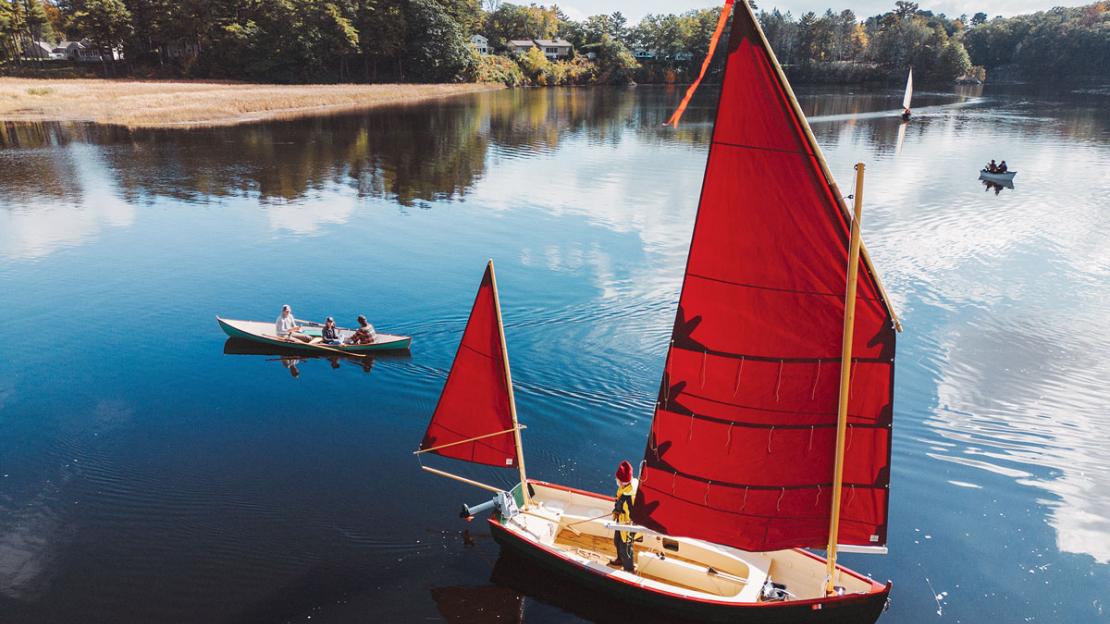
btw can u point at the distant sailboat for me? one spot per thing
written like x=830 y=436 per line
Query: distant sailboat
x=906 y=98
x=771 y=433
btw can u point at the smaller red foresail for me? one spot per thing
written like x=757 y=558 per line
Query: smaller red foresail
x=473 y=421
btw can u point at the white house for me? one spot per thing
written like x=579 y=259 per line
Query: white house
x=643 y=55
x=89 y=52
x=555 y=48
x=480 y=43
x=68 y=49
x=38 y=50
x=520 y=46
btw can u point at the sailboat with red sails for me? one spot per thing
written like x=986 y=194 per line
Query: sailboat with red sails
x=771 y=433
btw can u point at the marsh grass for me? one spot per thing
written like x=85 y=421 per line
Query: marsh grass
x=160 y=104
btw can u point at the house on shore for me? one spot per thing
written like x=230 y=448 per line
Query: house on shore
x=555 y=49
x=520 y=46
x=480 y=43
x=68 y=50
x=39 y=50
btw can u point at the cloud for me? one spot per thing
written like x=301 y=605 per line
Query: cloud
x=88 y=202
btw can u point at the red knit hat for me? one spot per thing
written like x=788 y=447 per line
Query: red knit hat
x=624 y=472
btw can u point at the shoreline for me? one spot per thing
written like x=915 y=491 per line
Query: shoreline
x=189 y=104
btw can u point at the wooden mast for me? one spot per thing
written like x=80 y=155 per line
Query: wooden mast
x=793 y=100
x=845 y=379
x=509 y=386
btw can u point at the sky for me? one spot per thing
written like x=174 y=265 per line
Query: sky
x=636 y=9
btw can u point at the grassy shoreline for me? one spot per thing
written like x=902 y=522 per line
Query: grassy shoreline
x=175 y=104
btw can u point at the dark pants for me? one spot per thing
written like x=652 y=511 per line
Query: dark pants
x=624 y=552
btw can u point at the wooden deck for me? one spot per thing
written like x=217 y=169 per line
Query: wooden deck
x=601 y=549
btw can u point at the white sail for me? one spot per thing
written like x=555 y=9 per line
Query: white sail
x=909 y=91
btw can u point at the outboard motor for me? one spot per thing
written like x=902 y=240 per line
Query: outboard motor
x=503 y=502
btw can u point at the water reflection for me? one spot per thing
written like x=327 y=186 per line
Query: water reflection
x=292 y=359
x=997 y=187
x=588 y=201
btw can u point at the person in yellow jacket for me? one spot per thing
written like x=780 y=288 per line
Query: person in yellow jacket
x=622 y=513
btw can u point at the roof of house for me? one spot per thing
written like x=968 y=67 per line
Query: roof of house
x=477 y=36
x=521 y=43
x=556 y=43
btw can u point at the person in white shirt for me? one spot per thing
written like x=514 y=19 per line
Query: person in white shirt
x=286 y=326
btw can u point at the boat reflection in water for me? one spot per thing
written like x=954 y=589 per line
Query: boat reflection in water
x=520 y=591
x=478 y=604
x=292 y=359
x=997 y=187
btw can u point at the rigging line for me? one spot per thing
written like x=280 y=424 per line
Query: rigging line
x=760 y=425
x=816 y=378
x=475 y=438
x=778 y=505
x=470 y=348
x=758 y=148
x=851 y=378
x=764 y=358
x=778 y=382
x=770 y=434
x=704 y=356
x=805 y=486
x=739 y=371
x=773 y=288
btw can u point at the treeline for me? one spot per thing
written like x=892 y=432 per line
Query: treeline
x=839 y=47
x=1059 y=44
x=429 y=40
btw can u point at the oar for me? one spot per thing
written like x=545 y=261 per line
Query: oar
x=318 y=346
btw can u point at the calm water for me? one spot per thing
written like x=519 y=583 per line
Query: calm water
x=149 y=473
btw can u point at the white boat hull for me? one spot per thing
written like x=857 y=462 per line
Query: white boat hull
x=562 y=529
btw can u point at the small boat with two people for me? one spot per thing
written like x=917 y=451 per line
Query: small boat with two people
x=771 y=432
x=301 y=335
x=999 y=173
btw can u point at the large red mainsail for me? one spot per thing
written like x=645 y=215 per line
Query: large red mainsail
x=742 y=443
x=473 y=419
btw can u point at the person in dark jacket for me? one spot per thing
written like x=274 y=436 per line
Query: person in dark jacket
x=622 y=513
x=330 y=333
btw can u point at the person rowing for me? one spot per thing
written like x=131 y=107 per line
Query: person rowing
x=365 y=333
x=287 y=328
